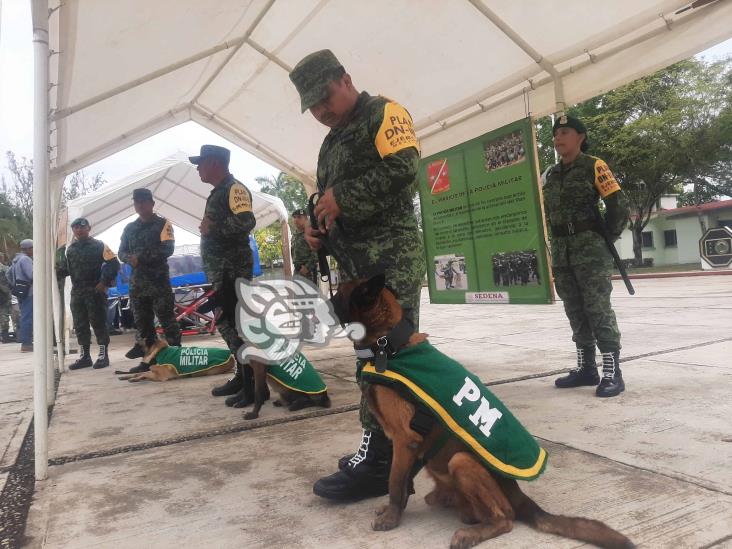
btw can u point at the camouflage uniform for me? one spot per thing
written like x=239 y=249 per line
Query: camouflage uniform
x=88 y=262
x=150 y=291
x=581 y=262
x=302 y=254
x=372 y=163
x=5 y=301
x=225 y=250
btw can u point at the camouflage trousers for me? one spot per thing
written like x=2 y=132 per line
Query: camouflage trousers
x=5 y=313
x=148 y=304
x=89 y=306
x=585 y=291
x=223 y=280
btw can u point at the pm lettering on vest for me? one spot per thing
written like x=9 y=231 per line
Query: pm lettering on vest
x=485 y=416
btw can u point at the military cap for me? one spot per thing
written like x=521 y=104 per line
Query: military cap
x=211 y=150
x=298 y=211
x=142 y=194
x=26 y=244
x=80 y=222
x=566 y=121
x=312 y=75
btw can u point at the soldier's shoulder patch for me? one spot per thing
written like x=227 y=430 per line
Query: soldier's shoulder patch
x=108 y=254
x=167 y=232
x=396 y=131
x=240 y=200
x=605 y=182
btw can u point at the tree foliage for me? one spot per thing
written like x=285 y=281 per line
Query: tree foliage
x=269 y=244
x=661 y=134
x=289 y=189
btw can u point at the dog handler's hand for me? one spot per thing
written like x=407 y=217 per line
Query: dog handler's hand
x=327 y=210
x=312 y=237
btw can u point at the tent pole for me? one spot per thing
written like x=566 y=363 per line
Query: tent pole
x=50 y=361
x=287 y=259
x=41 y=245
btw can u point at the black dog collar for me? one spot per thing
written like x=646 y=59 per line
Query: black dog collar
x=387 y=346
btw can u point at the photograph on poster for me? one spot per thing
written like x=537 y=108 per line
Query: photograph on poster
x=516 y=268
x=504 y=151
x=450 y=272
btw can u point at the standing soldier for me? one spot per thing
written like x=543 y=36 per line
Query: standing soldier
x=304 y=258
x=367 y=172
x=93 y=268
x=5 y=305
x=581 y=261
x=225 y=228
x=146 y=245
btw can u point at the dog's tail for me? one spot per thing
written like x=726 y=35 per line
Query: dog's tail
x=581 y=529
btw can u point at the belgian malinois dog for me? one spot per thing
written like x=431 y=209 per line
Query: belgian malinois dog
x=486 y=500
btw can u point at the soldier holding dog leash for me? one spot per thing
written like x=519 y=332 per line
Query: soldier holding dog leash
x=367 y=170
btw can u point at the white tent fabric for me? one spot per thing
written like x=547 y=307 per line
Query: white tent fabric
x=123 y=71
x=179 y=195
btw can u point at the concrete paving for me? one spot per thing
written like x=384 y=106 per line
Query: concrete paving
x=166 y=464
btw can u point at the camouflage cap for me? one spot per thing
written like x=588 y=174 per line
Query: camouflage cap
x=566 y=121
x=142 y=194
x=80 y=222
x=312 y=75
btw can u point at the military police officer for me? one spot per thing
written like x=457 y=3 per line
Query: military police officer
x=367 y=169
x=146 y=245
x=92 y=267
x=304 y=258
x=225 y=228
x=581 y=261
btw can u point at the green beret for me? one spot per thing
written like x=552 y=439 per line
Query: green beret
x=312 y=75
x=80 y=222
x=566 y=121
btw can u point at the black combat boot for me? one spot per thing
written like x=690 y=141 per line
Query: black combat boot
x=84 y=360
x=584 y=374
x=245 y=396
x=612 y=383
x=364 y=475
x=103 y=359
x=135 y=352
x=231 y=387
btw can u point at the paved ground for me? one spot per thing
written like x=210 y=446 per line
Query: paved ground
x=161 y=465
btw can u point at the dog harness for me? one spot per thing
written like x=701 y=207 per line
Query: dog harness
x=464 y=406
x=191 y=360
x=299 y=375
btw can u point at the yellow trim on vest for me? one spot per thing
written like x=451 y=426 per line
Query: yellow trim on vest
x=297 y=390
x=459 y=431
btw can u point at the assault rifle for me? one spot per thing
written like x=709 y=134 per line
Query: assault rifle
x=611 y=247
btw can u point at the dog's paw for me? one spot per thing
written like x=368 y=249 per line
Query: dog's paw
x=387 y=517
x=464 y=538
x=251 y=415
x=277 y=403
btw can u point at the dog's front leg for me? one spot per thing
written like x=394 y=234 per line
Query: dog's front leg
x=404 y=456
x=260 y=388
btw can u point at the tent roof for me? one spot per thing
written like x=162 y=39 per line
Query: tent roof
x=179 y=196
x=123 y=71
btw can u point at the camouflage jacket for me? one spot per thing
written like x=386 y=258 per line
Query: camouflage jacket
x=4 y=283
x=87 y=262
x=571 y=193
x=229 y=207
x=372 y=163
x=153 y=243
x=302 y=254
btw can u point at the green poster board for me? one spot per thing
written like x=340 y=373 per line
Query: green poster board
x=483 y=222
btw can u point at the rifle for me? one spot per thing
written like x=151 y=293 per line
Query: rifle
x=323 y=266
x=611 y=247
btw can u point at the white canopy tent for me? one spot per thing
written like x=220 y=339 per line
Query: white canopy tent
x=122 y=71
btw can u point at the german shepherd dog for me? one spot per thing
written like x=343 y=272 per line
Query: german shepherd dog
x=485 y=500
x=292 y=399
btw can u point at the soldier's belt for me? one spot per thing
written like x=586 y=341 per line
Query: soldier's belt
x=572 y=228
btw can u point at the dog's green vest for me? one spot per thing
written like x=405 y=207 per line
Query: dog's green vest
x=460 y=401
x=299 y=375
x=190 y=360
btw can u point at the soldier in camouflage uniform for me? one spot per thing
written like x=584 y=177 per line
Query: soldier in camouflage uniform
x=92 y=267
x=581 y=261
x=367 y=170
x=146 y=245
x=225 y=228
x=5 y=305
x=304 y=258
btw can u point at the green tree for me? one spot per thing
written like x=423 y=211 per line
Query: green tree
x=80 y=185
x=13 y=226
x=269 y=244
x=287 y=188
x=659 y=134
